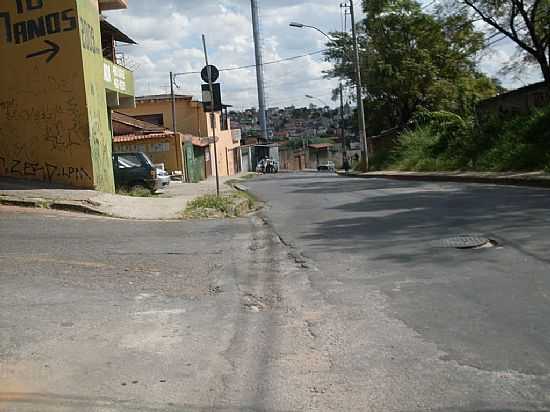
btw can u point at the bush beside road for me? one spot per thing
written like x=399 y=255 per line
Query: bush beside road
x=444 y=141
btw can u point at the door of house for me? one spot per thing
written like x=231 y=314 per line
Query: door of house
x=246 y=162
x=207 y=163
x=237 y=160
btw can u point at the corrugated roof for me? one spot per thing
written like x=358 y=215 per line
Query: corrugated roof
x=118 y=35
x=113 y=4
x=138 y=124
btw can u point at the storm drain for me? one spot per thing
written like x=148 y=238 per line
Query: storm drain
x=467 y=241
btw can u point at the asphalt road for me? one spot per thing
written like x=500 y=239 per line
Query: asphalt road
x=338 y=296
x=425 y=326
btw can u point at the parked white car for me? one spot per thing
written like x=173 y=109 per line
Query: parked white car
x=327 y=166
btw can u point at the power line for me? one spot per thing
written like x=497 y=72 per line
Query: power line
x=249 y=66
x=496 y=41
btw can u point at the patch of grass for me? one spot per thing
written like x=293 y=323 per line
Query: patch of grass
x=135 y=192
x=219 y=203
x=212 y=206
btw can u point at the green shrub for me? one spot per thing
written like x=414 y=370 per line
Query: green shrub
x=445 y=141
x=425 y=149
x=520 y=143
x=380 y=160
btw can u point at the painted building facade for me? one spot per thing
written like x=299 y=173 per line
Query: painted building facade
x=56 y=91
x=191 y=119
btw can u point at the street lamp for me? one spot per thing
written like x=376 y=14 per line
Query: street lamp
x=309 y=96
x=357 y=65
x=301 y=26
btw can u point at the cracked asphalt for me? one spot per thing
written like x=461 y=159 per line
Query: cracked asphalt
x=336 y=297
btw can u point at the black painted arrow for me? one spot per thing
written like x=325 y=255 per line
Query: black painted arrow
x=53 y=51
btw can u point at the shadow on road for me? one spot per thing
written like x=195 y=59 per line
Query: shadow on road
x=394 y=213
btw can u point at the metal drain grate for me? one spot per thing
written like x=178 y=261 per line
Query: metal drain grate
x=467 y=241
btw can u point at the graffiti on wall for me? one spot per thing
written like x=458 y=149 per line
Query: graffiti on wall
x=44 y=171
x=59 y=124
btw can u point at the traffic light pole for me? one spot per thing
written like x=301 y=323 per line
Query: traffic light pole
x=212 y=114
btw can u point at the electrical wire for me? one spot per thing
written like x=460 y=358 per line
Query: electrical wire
x=249 y=66
x=504 y=37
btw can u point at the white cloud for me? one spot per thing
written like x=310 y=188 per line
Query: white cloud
x=169 y=38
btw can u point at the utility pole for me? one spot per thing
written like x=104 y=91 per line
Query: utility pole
x=360 y=104
x=212 y=114
x=173 y=98
x=259 y=68
x=342 y=122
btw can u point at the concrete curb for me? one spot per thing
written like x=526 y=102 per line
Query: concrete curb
x=241 y=188
x=13 y=201
x=79 y=207
x=496 y=180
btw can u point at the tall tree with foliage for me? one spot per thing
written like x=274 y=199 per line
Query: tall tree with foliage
x=525 y=22
x=413 y=61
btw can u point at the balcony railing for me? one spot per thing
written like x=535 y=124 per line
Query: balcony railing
x=118 y=79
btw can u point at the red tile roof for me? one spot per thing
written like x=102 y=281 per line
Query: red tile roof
x=138 y=137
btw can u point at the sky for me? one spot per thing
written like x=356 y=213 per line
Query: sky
x=168 y=33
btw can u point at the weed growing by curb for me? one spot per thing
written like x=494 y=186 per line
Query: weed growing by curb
x=136 y=192
x=211 y=206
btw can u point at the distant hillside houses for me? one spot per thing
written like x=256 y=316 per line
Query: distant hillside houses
x=292 y=122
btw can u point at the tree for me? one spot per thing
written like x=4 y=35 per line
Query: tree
x=414 y=61
x=525 y=22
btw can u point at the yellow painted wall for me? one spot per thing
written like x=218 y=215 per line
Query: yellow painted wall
x=154 y=148
x=100 y=135
x=46 y=100
x=225 y=158
x=189 y=115
x=191 y=119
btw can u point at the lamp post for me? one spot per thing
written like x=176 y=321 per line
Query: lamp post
x=357 y=66
x=309 y=96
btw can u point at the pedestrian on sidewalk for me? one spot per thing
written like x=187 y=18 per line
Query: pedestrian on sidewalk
x=346 y=163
